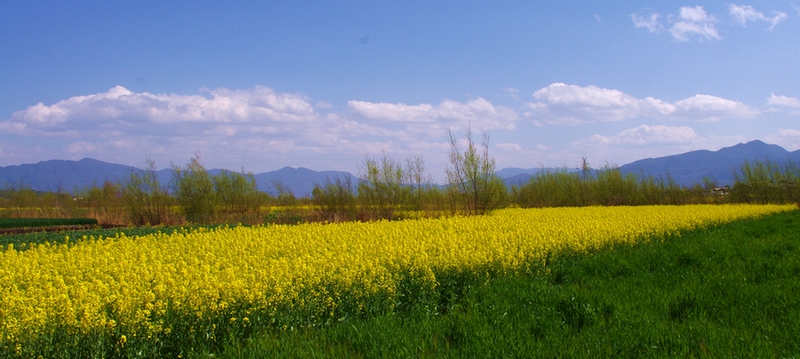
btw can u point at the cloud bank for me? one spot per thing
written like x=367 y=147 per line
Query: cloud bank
x=262 y=128
x=562 y=104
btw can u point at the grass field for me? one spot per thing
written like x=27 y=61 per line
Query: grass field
x=724 y=292
x=590 y=282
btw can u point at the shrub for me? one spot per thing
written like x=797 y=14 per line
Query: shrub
x=336 y=199
x=146 y=199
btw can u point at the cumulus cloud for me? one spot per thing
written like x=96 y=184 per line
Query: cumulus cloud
x=650 y=22
x=246 y=126
x=509 y=147
x=783 y=101
x=743 y=14
x=786 y=138
x=257 y=108
x=255 y=127
x=262 y=129
x=690 y=21
x=694 y=21
x=432 y=120
x=560 y=103
x=650 y=141
x=707 y=107
x=644 y=135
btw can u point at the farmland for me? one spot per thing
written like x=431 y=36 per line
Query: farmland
x=202 y=290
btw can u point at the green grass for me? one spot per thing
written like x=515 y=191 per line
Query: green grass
x=728 y=291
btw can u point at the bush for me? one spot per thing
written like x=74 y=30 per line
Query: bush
x=236 y=197
x=336 y=200
x=194 y=190
x=146 y=199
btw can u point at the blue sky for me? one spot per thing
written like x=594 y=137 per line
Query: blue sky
x=262 y=85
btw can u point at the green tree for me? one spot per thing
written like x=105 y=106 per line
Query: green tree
x=472 y=183
x=237 y=196
x=419 y=182
x=336 y=199
x=146 y=199
x=194 y=190
x=381 y=190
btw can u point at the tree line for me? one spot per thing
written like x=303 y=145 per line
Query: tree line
x=387 y=189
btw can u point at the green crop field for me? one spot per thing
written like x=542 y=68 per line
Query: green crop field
x=44 y=222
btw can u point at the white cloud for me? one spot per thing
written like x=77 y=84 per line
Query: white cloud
x=560 y=103
x=263 y=129
x=651 y=23
x=786 y=138
x=784 y=101
x=694 y=20
x=707 y=107
x=253 y=127
x=743 y=14
x=509 y=147
x=431 y=120
x=258 y=128
x=511 y=92
x=646 y=135
x=689 y=21
x=80 y=148
x=571 y=105
x=323 y=104
x=649 y=141
x=128 y=111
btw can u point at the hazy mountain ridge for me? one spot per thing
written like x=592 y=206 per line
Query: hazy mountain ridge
x=687 y=169
x=55 y=175
x=691 y=167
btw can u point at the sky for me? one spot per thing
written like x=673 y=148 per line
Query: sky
x=260 y=85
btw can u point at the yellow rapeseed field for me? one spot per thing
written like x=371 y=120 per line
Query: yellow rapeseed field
x=130 y=284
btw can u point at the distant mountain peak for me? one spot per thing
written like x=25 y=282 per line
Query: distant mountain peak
x=692 y=167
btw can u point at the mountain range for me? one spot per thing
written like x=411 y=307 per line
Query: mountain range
x=686 y=169
x=56 y=175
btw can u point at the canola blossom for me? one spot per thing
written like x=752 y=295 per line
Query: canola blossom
x=129 y=285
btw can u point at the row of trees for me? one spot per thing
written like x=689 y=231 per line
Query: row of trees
x=193 y=196
x=387 y=189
